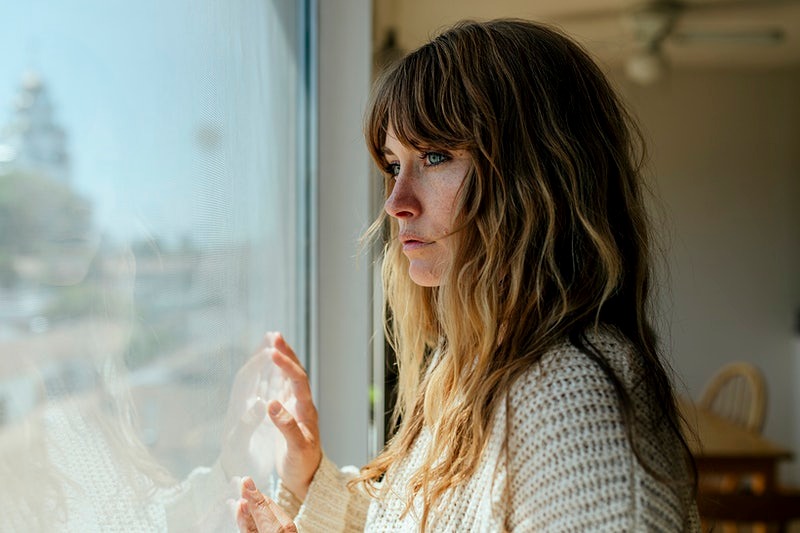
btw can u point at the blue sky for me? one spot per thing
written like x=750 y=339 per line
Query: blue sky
x=86 y=53
x=132 y=83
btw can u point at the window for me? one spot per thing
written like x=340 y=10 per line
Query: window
x=154 y=222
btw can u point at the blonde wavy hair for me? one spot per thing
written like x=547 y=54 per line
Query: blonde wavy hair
x=552 y=236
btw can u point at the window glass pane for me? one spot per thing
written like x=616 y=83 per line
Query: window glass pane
x=149 y=194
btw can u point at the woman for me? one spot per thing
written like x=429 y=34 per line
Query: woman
x=532 y=396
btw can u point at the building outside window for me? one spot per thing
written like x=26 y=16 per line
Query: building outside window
x=157 y=216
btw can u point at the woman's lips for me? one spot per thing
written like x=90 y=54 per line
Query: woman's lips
x=413 y=242
x=411 y=245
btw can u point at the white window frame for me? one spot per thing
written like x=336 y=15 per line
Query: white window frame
x=342 y=192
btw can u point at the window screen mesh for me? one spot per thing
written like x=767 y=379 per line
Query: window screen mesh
x=150 y=233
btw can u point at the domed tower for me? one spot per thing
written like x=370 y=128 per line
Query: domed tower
x=32 y=141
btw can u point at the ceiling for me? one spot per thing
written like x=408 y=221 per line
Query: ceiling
x=609 y=38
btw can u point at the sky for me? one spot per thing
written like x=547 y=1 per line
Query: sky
x=144 y=91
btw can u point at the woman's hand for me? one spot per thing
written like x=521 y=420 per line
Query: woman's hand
x=251 y=447
x=248 y=443
x=297 y=461
x=258 y=514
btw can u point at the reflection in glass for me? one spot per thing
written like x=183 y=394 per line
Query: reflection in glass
x=147 y=240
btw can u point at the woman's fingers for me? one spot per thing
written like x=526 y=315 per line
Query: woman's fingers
x=250 y=374
x=272 y=515
x=289 y=366
x=264 y=514
x=301 y=389
x=286 y=360
x=296 y=375
x=243 y=430
x=296 y=437
x=268 y=341
x=295 y=417
x=282 y=346
x=244 y=519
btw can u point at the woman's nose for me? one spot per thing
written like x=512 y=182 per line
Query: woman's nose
x=403 y=201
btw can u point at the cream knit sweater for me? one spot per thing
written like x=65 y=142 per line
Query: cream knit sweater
x=568 y=465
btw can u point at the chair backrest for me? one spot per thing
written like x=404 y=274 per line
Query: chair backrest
x=737 y=393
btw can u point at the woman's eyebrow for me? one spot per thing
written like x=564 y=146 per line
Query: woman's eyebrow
x=385 y=150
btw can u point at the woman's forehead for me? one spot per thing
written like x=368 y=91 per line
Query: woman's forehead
x=392 y=142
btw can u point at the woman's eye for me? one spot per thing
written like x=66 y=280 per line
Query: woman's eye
x=435 y=158
x=393 y=169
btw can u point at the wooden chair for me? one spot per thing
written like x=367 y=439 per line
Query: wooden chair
x=737 y=393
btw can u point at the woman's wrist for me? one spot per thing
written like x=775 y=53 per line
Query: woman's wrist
x=300 y=489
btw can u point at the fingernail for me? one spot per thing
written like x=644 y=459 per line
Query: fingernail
x=249 y=484
x=274 y=408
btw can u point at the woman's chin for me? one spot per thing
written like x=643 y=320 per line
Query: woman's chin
x=424 y=275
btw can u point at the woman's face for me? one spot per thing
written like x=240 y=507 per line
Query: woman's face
x=423 y=198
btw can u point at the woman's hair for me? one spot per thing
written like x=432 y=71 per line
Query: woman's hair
x=552 y=236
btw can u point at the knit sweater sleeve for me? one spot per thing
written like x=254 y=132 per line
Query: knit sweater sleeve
x=570 y=464
x=199 y=502
x=329 y=505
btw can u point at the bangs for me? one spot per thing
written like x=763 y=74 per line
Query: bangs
x=423 y=100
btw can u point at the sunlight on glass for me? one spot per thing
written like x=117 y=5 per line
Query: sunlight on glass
x=148 y=239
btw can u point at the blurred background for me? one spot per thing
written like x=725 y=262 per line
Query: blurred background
x=715 y=85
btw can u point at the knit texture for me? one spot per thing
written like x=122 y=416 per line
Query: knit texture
x=558 y=459
x=72 y=479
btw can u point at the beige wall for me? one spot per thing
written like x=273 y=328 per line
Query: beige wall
x=725 y=165
x=725 y=152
